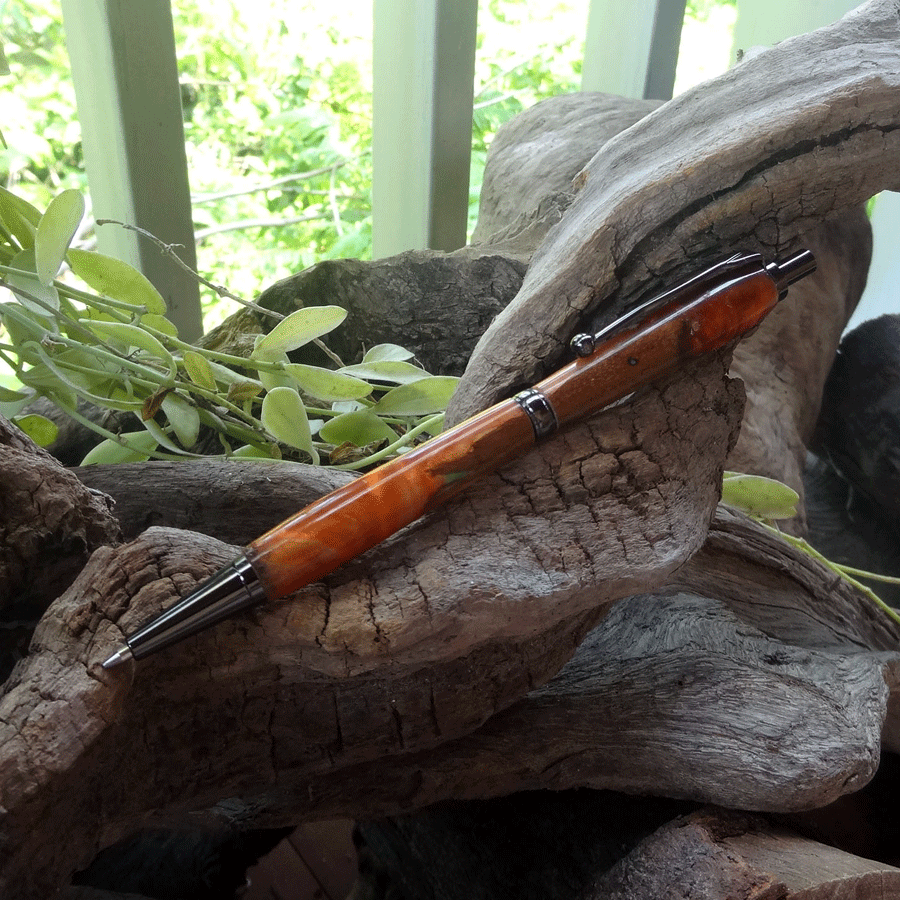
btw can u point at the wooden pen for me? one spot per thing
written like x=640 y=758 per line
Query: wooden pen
x=699 y=316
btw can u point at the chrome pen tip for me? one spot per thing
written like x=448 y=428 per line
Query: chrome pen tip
x=118 y=657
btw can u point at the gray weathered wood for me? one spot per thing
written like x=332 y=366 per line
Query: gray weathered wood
x=713 y=854
x=753 y=158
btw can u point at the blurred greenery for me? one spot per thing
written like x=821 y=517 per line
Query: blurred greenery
x=277 y=110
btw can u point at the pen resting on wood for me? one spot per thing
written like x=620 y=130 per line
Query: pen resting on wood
x=233 y=713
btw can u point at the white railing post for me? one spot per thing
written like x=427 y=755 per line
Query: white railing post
x=631 y=49
x=129 y=105
x=423 y=72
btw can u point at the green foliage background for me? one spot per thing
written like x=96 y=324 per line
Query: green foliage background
x=278 y=110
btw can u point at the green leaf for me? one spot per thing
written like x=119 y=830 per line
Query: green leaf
x=20 y=218
x=241 y=389
x=284 y=417
x=184 y=419
x=272 y=380
x=163 y=439
x=139 y=446
x=117 y=279
x=252 y=451
x=35 y=295
x=55 y=232
x=394 y=371
x=428 y=395
x=387 y=353
x=360 y=427
x=760 y=497
x=39 y=428
x=132 y=336
x=10 y=396
x=224 y=375
x=325 y=384
x=297 y=329
x=159 y=323
x=199 y=370
x=75 y=381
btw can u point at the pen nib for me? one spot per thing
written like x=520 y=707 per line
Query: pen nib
x=118 y=657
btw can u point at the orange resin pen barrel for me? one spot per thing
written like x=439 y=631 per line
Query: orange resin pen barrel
x=700 y=316
x=359 y=515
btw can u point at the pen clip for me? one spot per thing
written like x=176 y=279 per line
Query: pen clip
x=585 y=344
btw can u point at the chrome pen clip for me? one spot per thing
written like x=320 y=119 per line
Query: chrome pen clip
x=783 y=272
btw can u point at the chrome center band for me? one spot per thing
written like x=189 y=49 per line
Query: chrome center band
x=539 y=410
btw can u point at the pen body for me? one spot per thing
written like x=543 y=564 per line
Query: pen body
x=359 y=515
x=356 y=517
x=686 y=328
x=700 y=316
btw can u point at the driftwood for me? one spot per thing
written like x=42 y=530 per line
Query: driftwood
x=711 y=854
x=425 y=670
x=707 y=854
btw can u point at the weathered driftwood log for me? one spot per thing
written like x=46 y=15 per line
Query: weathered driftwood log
x=49 y=521
x=603 y=846
x=714 y=854
x=755 y=158
x=429 y=638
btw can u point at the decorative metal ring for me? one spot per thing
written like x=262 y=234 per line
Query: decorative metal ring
x=539 y=410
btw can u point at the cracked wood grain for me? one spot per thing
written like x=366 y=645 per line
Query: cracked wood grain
x=49 y=522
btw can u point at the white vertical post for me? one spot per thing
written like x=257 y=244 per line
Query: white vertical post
x=632 y=49
x=765 y=22
x=129 y=105
x=423 y=73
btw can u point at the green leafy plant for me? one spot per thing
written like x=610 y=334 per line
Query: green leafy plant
x=768 y=501
x=113 y=347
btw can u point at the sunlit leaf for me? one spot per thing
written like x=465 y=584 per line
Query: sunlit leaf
x=139 y=446
x=20 y=218
x=284 y=417
x=325 y=384
x=9 y=396
x=387 y=353
x=117 y=279
x=55 y=232
x=199 y=370
x=428 y=395
x=393 y=371
x=758 y=496
x=30 y=291
x=184 y=419
x=39 y=428
x=297 y=329
x=360 y=428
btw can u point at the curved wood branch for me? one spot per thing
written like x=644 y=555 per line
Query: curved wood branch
x=753 y=159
